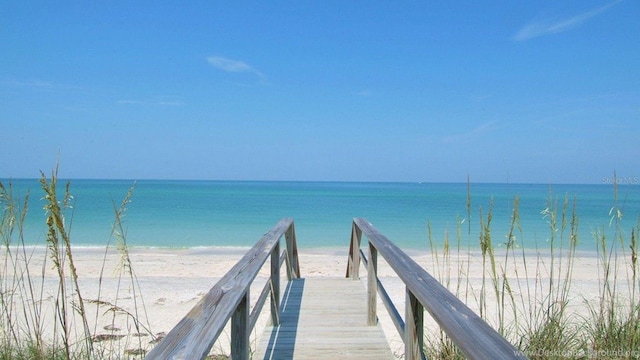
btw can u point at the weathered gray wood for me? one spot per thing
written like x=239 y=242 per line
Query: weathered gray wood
x=275 y=285
x=257 y=308
x=293 y=270
x=388 y=303
x=372 y=285
x=323 y=318
x=475 y=338
x=353 y=268
x=391 y=309
x=413 y=328
x=283 y=258
x=195 y=334
x=240 y=330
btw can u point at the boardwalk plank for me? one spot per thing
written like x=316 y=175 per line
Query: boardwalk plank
x=323 y=318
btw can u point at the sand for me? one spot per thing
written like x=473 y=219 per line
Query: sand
x=169 y=282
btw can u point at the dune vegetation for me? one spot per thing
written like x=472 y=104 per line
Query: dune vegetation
x=531 y=296
x=38 y=324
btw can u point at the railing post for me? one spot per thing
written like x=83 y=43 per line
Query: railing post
x=275 y=285
x=413 y=328
x=240 y=329
x=372 y=285
x=353 y=271
x=293 y=270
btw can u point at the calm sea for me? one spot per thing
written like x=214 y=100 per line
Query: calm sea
x=237 y=213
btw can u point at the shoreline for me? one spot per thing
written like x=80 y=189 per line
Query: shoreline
x=329 y=250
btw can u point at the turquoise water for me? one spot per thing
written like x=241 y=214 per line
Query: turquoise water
x=237 y=213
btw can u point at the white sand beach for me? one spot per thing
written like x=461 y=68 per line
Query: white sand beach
x=171 y=281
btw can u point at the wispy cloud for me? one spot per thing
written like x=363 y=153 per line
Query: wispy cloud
x=231 y=65
x=159 y=101
x=131 y=102
x=32 y=83
x=474 y=133
x=553 y=26
x=39 y=85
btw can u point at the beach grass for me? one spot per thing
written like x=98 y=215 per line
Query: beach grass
x=526 y=294
x=36 y=324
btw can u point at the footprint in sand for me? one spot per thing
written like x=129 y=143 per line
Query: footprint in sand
x=160 y=301
x=195 y=298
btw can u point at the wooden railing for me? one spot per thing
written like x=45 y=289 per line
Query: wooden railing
x=195 y=334
x=473 y=336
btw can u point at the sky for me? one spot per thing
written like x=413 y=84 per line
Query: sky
x=416 y=91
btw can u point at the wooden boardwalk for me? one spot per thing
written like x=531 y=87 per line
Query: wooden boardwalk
x=323 y=318
x=327 y=318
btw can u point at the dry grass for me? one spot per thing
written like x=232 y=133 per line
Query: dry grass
x=37 y=323
x=527 y=295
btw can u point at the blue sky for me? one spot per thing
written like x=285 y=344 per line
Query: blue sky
x=502 y=91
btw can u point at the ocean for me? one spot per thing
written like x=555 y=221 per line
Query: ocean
x=186 y=214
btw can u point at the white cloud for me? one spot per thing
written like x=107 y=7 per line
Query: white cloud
x=170 y=103
x=230 y=65
x=40 y=85
x=161 y=100
x=554 y=26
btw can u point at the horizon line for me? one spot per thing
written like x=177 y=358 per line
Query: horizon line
x=606 y=181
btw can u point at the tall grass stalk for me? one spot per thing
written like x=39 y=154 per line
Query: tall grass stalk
x=468 y=207
x=511 y=243
x=615 y=324
x=44 y=316
x=526 y=302
x=126 y=279
x=434 y=248
x=486 y=249
x=14 y=281
x=7 y=227
x=551 y=329
x=126 y=269
x=60 y=252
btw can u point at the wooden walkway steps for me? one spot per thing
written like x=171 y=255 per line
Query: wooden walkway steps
x=323 y=318
x=327 y=318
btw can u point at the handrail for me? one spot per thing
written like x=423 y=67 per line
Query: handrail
x=195 y=334
x=473 y=336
